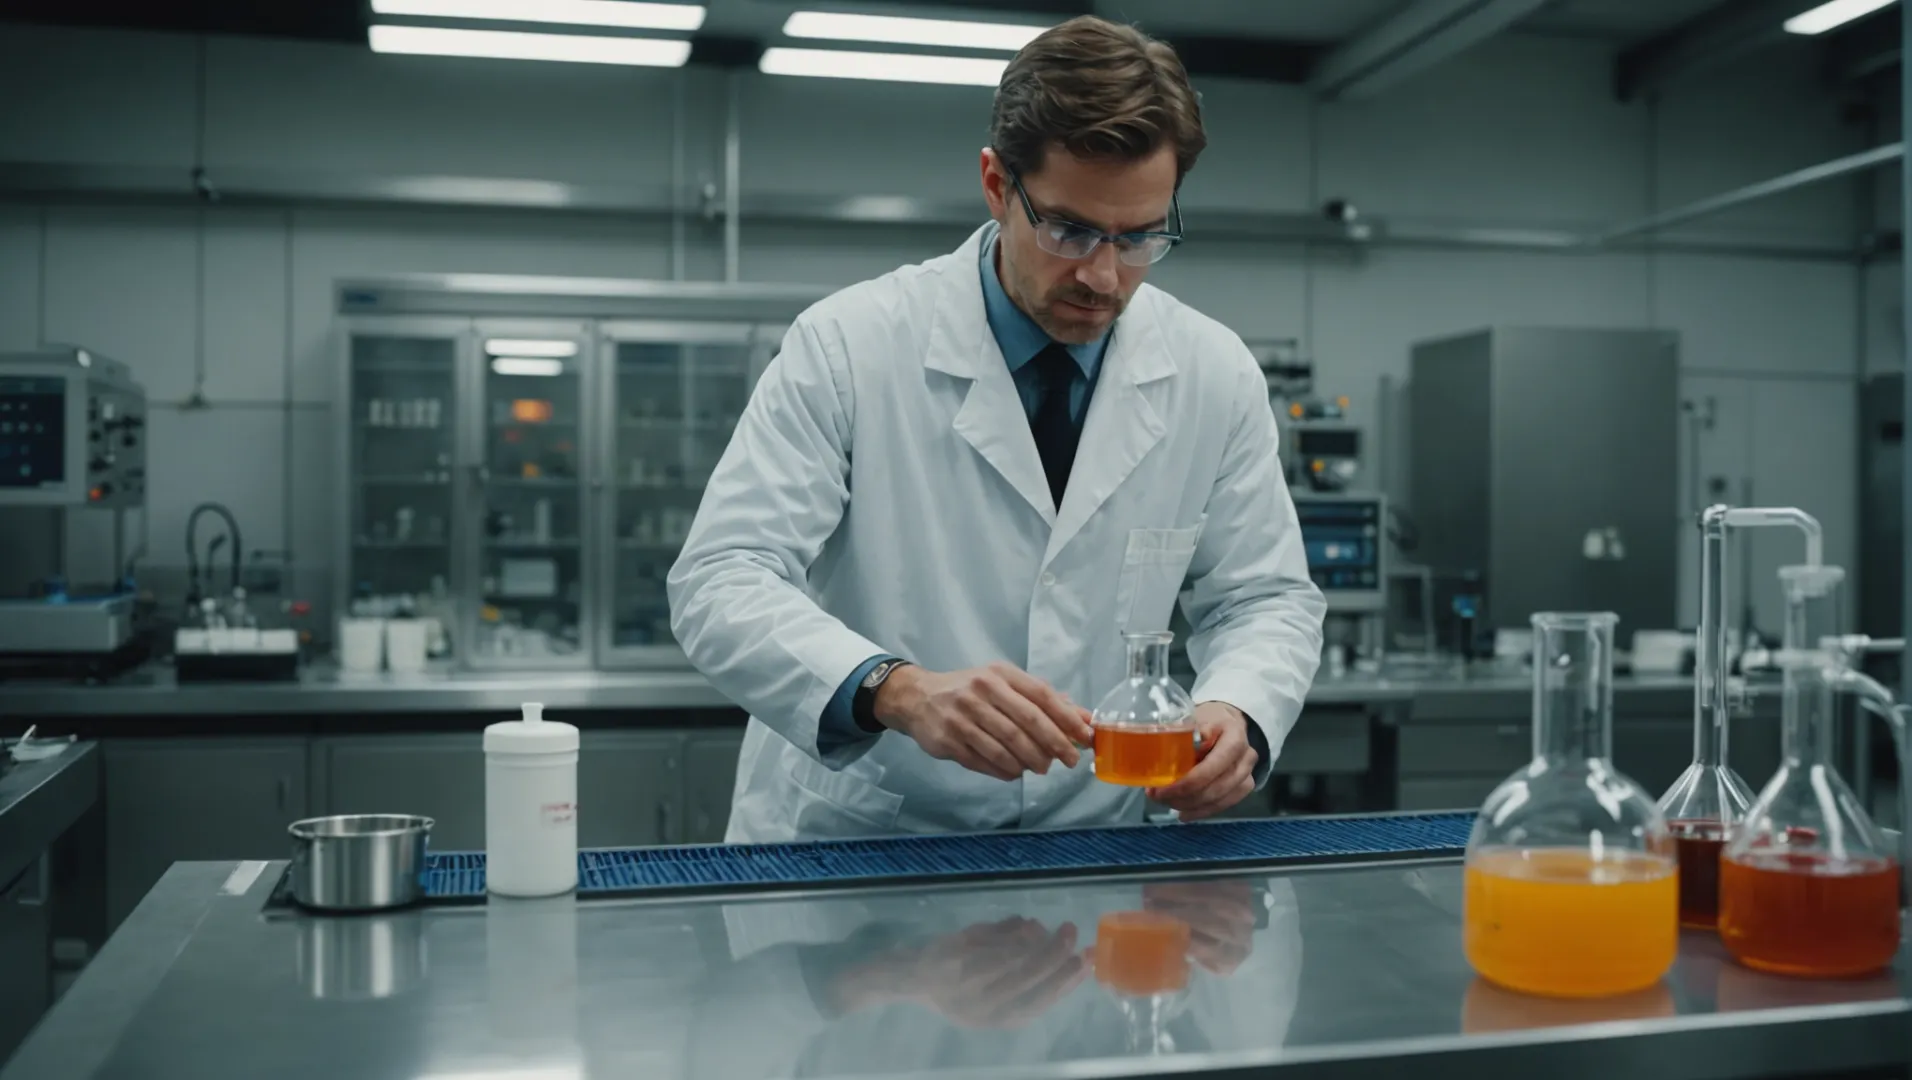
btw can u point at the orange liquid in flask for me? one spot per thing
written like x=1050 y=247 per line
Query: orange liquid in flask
x=1810 y=914
x=1144 y=756
x=1557 y=921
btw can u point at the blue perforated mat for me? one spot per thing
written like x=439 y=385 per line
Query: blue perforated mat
x=452 y=877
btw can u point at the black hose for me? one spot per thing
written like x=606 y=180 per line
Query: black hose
x=192 y=547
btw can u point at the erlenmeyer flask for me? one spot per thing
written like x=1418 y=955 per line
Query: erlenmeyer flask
x=1709 y=797
x=1808 y=884
x=1145 y=727
x=1571 y=887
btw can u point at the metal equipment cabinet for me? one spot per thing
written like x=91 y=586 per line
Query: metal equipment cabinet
x=180 y=798
x=439 y=776
x=629 y=788
x=710 y=776
x=1546 y=461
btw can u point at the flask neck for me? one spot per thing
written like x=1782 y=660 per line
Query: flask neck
x=1148 y=659
x=1709 y=658
x=1573 y=688
x=1806 y=716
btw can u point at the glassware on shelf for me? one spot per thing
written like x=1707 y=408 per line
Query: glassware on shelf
x=1571 y=885
x=1145 y=727
x=1808 y=884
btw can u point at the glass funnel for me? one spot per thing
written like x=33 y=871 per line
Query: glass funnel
x=1709 y=797
x=1145 y=727
x=1571 y=885
x=1808 y=884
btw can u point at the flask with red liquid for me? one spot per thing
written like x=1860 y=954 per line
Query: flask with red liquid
x=1808 y=884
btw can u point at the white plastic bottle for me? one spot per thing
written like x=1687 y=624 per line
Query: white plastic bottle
x=531 y=806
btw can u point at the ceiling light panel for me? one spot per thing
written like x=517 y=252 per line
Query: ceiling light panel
x=627 y=14
x=890 y=67
x=512 y=45
x=894 y=30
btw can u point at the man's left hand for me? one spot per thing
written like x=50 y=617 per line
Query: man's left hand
x=1224 y=772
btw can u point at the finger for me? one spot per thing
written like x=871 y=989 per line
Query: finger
x=1225 y=796
x=1034 y=969
x=1070 y=719
x=1034 y=724
x=1219 y=956
x=987 y=756
x=1053 y=988
x=1220 y=761
x=1010 y=734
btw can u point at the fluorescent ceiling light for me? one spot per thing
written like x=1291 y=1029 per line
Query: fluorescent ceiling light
x=952 y=33
x=1828 y=15
x=895 y=67
x=631 y=14
x=530 y=347
x=512 y=45
x=526 y=365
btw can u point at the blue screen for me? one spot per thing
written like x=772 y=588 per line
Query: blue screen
x=1343 y=539
x=32 y=432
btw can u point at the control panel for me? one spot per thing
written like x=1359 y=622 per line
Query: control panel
x=72 y=431
x=1346 y=540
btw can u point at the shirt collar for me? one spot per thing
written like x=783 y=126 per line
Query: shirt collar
x=1016 y=333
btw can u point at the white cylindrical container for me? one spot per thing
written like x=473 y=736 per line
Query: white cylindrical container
x=405 y=645
x=361 y=645
x=531 y=806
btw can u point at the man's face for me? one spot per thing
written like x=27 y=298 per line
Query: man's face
x=1076 y=300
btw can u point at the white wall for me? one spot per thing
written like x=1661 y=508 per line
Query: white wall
x=1523 y=132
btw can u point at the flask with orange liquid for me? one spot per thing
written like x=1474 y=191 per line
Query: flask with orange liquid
x=1808 y=884
x=1571 y=886
x=1145 y=727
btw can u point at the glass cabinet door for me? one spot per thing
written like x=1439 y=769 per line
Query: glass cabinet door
x=532 y=522
x=677 y=391
x=400 y=513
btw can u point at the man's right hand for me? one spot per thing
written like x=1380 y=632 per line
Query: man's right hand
x=998 y=720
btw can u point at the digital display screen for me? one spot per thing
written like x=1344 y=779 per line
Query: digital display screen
x=1336 y=444
x=32 y=432
x=1343 y=539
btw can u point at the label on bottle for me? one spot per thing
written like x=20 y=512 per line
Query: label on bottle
x=559 y=813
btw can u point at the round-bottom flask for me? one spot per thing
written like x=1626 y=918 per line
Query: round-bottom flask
x=1145 y=727
x=1808 y=884
x=1571 y=886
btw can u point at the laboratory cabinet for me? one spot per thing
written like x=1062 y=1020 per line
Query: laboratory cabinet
x=183 y=798
x=26 y=967
x=710 y=777
x=526 y=483
x=439 y=776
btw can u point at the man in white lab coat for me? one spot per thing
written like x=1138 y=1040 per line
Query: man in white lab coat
x=960 y=483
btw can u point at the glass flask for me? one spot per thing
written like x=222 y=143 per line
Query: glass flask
x=1571 y=882
x=1808 y=884
x=1145 y=727
x=1709 y=797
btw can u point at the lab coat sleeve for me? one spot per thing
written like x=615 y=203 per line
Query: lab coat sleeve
x=739 y=603
x=1254 y=612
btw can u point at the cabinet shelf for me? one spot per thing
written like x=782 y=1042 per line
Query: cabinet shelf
x=402 y=481
x=532 y=545
x=562 y=425
x=535 y=483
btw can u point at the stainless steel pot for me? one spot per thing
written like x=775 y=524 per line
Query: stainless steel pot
x=361 y=957
x=358 y=862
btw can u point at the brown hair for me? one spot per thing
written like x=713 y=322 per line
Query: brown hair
x=1102 y=91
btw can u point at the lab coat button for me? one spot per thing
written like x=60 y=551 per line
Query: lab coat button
x=1048 y=579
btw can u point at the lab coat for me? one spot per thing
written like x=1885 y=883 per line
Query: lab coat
x=953 y=555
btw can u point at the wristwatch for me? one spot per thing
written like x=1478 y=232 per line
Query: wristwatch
x=863 y=705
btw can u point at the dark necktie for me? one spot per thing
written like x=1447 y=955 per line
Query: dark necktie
x=1053 y=426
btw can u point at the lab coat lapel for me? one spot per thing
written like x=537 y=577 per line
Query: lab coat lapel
x=1123 y=424
x=991 y=418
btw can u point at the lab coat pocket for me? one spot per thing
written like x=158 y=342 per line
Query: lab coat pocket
x=839 y=804
x=1153 y=568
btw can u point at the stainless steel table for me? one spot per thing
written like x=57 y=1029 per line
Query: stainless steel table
x=40 y=800
x=1344 y=972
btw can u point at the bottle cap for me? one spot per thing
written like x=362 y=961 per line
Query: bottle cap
x=531 y=735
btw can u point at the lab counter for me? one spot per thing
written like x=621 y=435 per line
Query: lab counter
x=1351 y=970
x=322 y=691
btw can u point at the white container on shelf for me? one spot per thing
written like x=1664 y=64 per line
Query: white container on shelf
x=362 y=645
x=405 y=645
x=531 y=806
